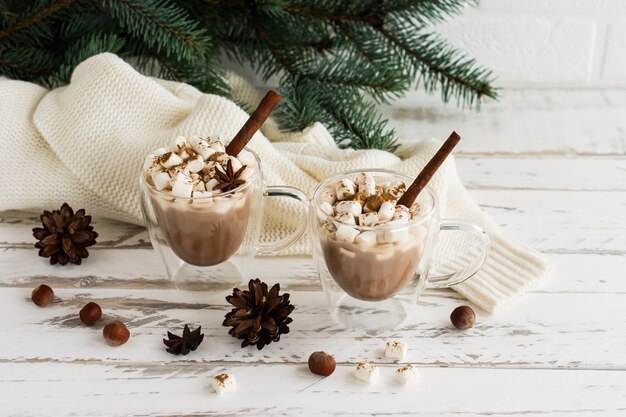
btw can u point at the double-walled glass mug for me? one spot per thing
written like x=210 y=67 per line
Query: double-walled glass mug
x=373 y=282
x=208 y=241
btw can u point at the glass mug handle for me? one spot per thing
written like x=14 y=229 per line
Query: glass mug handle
x=269 y=248
x=448 y=280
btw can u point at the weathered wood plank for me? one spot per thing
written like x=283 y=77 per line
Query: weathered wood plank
x=88 y=389
x=541 y=331
x=547 y=173
x=141 y=269
x=541 y=121
x=554 y=221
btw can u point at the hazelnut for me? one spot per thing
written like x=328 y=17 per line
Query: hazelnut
x=42 y=295
x=463 y=317
x=90 y=314
x=116 y=333
x=321 y=363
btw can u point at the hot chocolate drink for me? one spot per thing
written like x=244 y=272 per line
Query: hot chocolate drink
x=371 y=245
x=201 y=198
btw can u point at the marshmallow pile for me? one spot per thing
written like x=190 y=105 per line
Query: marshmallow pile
x=360 y=201
x=188 y=168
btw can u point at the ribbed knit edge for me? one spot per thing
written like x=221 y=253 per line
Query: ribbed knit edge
x=510 y=270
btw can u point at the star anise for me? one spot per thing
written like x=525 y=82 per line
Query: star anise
x=65 y=235
x=260 y=316
x=229 y=180
x=190 y=340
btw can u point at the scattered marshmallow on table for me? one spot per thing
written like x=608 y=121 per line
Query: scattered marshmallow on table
x=224 y=383
x=367 y=372
x=395 y=350
x=407 y=375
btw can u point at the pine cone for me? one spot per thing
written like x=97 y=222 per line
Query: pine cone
x=260 y=316
x=65 y=235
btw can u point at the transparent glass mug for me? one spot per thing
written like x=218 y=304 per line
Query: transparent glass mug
x=373 y=286
x=207 y=242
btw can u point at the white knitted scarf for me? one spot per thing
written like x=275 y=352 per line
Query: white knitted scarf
x=84 y=144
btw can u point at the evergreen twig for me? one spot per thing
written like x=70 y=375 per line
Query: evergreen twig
x=335 y=59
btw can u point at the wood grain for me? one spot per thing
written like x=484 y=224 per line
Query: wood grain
x=558 y=351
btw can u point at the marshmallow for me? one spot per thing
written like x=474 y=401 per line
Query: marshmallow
x=178 y=168
x=247 y=158
x=219 y=157
x=182 y=186
x=170 y=160
x=327 y=208
x=407 y=375
x=152 y=160
x=202 y=147
x=185 y=153
x=247 y=173
x=395 y=350
x=328 y=195
x=161 y=180
x=235 y=163
x=368 y=238
x=180 y=142
x=351 y=206
x=393 y=234
x=368 y=219
x=345 y=218
x=396 y=189
x=366 y=183
x=367 y=372
x=211 y=184
x=402 y=212
x=195 y=163
x=198 y=186
x=217 y=145
x=345 y=189
x=386 y=211
x=346 y=233
x=224 y=383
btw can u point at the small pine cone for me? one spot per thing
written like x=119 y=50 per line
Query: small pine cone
x=260 y=316
x=65 y=235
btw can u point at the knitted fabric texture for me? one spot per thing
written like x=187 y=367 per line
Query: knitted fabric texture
x=85 y=143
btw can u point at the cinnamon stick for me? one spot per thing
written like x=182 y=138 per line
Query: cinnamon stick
x=429 y=170
x=254 y=123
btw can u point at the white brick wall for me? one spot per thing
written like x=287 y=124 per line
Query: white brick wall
x=546 y=43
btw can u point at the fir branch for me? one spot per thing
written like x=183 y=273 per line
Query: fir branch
x=436 y=64
x=162 y=26
x=34 y=17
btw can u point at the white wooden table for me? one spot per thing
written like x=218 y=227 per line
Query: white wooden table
x=560 y=350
